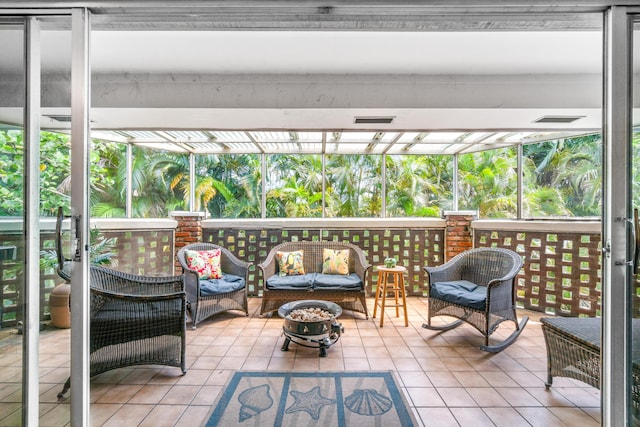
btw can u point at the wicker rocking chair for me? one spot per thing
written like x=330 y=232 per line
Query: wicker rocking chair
x=201 y=305
x=477 y=287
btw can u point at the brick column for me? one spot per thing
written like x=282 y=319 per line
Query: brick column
x=189 y=230
x=457 y=236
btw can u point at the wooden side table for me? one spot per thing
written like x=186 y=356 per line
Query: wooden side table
x=390 y=280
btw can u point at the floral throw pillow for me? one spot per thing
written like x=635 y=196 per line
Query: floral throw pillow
x=205 y=263
x=335 y=261
x=291 y=263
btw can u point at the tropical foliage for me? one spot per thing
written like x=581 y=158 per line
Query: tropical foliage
x=561 y=178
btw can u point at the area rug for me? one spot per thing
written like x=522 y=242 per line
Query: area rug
x=327 y=399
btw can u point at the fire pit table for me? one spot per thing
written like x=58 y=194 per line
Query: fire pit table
x=311 y=323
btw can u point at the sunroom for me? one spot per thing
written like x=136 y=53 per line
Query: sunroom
x=380 y=126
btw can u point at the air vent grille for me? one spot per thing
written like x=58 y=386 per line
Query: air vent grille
x=557 y=119
x=374 y=120
x=60 y=118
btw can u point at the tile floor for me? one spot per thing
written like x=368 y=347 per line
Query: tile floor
x=446 y=379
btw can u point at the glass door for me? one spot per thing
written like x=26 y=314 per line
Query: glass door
x=12 y=210
x=35 y=100
x=635 y=201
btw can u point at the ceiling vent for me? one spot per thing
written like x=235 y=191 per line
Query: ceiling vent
x=557 y=119
x=60 y=118
x=374 y=120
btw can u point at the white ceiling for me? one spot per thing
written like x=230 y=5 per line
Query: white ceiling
x=321 y=80
x=343 y=52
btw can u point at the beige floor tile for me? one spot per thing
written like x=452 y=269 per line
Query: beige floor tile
x=120 y=393
x=574 y=417
x=470 y=379
x=101 y=412
x=505 y=417
x=471 y=417
x=331 y=364
x=165 y=415
x=193 y=416
x=150 y=394
x=437 y=417
x=517 y=396
x=499 y=379
x=180 y=395
x=357 y=364
x=406 y=364
x=540 y=417
x=579 y=396
x=207 y=395
x=443 y=379
x=414 y=379
x=11 y=414
x=219 y=377
x=487 y=397
x=425 y=396
x=131 y=414
x=206 y=362
x=256 y=364
x=281 y=364
x=456 y=397
x=435 y=369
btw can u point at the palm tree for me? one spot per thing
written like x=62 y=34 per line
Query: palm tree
x=294 y=186
x=488 y=182
x=415 y=186
x=354 y=185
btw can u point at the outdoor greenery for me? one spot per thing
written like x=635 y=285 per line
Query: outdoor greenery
x=560 y=179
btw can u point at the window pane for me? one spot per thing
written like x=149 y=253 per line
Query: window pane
x=108 y=179
x=418 y=185
x=294 y=186
x=354 y=185
x=562 y=178
x=488 y=183
x=160 y=182
x=228 y=186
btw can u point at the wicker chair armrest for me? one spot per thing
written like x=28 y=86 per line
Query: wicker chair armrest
x=360 y=265
x=191 y=284
x=507 y=277
x=268 y=266
x=500 y=295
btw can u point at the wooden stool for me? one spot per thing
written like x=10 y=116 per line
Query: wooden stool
x=385 y=286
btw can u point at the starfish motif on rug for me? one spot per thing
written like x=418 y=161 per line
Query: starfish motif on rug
x=310 y=402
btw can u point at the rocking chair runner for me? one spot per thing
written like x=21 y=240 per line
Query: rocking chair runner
x=477 y=287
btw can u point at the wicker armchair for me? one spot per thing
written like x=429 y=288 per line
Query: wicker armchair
x=135 y=320
x=477 y=287
x=203 y=306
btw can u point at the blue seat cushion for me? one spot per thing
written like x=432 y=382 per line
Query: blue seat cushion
x=227 y=283
x=300 y=281
x=337 y=282
x=461 y=292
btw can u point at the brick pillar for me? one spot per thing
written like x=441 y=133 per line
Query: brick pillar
x=189 y=230
x=457 y=236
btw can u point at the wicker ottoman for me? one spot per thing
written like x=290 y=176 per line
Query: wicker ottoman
x=573 y=350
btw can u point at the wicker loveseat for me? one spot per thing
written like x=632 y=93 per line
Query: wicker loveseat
x=347 y=290
x=135 y=320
